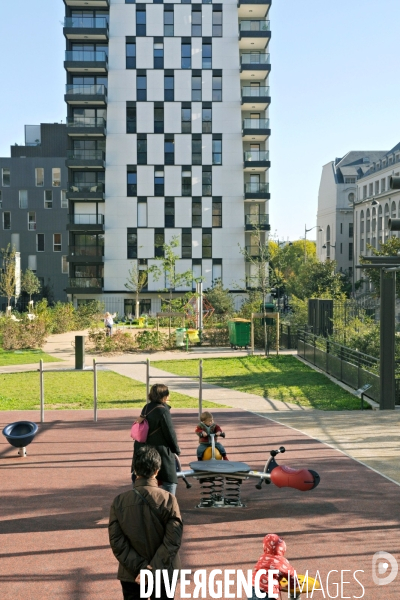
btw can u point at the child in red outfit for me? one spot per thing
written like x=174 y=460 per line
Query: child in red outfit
x=273 y=558
x=203 y=430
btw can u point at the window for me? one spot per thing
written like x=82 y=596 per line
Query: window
x=351 y=230
x=216 y=87
x=206 y=119
x=158 y=183
x=142 y=149
x=169 y=212
x=130 y=1
x=6 y=220
x=5 y=177
x=158 y=119
x=206 y=242
x=186 y=54
x=216 y=270
x=169 y=86
x=370 y=189
x=142 y=212
x=196 y=149
x=48 y=199
x=351 y=197
x=31 y=221
x=217 y=212
x=376 y=187
x=206 y=54
x=158 y=53
x=39 y=177
x=131 y=117
x=196 y=212
x=382 y=185
x=349 y=179
x=57 y=242
x=23 y=198
x=159 y=240
x=341 y=227
x=32 y=262
x=169 y=150
x=141 y=86
x=131 y=54
x=216 y=151
x=196 y=20
x=186 y=243
x=64 y=265
x=131 y=237
x=217 y=20
x=196 y=87
x=141 y=20
x=186 y=182
x=364 y=191
x=1 y=200
x=131 y=181
x=56 y=177
x=40 y=242
x=186 y=116
x=206 y=181
x=341 y=249
x=64 y=199
x=351 y=251
x=168 y=20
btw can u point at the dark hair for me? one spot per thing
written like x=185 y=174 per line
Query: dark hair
x=158 y=392
x=146 y=462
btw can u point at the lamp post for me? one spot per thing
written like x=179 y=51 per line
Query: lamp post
x=305 y=238
x=324 y=247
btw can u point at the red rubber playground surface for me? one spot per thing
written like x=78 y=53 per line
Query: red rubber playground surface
x=55 y=504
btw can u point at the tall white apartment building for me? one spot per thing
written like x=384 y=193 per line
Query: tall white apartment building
x=168 y=138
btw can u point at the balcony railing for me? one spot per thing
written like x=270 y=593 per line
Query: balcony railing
x=86 y=250
x=255 y=92
x=85 y=56
x=86 y=187
x=86 y=22
x=86 y=219
x=256 y=188
x=254 y=58
x=85 y=282
x=256 y=124
x=257 y=220
x=254 y=25
x=256 y=155
x=86 y=89
x=32 y=226
x=253 y=251
x=86 y=122
x=82 y=154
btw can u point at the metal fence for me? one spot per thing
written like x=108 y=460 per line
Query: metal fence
x=287 y=336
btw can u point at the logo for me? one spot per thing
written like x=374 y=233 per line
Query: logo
x=381 y=561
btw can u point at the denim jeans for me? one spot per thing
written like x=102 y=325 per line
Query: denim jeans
x=169 y=487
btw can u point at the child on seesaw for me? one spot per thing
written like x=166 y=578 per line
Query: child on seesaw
x=203 y=430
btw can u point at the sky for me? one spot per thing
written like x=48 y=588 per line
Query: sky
x=334 y=87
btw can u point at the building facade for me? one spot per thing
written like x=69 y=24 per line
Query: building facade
x=168 y=135
x=34 y=206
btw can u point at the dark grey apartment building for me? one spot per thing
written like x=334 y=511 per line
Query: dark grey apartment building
x=34 y=206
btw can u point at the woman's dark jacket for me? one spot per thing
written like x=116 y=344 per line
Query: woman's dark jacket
x=161 y=436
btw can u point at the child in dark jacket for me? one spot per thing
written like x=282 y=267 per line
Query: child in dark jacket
x=203 y=430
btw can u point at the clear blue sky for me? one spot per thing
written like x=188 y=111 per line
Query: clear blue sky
x=334 y=86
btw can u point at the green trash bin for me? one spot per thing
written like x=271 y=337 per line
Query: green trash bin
x=180 y=337
x=268 y=307
x=239 y=333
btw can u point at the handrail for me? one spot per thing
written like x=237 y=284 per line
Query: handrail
x=86 y=22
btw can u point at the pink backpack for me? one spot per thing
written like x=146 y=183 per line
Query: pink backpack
x=140 y=431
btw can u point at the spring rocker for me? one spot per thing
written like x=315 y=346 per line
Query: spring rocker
x=20 y=434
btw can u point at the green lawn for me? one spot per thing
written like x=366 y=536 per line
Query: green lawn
x=24 y=357
x=279 y=378
x=20 y=391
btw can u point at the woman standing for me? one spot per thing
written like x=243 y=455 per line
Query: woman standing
x=161 y=435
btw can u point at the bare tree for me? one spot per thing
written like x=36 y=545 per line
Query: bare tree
x=7 y=277
x=30 y=284
x=137 y=280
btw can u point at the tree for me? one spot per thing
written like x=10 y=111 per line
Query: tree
x=389 y=248
x=173 y=279
x=137 y=280
x=7 y=277
x=30 y=284
x=220 y=298
x=317 y=279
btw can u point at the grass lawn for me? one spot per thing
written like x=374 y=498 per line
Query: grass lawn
x=20 y=391
x=24 y=357
x=279 y=378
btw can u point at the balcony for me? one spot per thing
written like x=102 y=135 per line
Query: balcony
x=93 y=95
x=81 y=159
x=83 y=61
x=85 y=254
x=255 y=64
x=86 y=126
x=257 y=9
x=255 y=130
x=254 y=34
x=254 y=252
x=87 y=3
x=90 y=285
x=255 y=98
x=256 y=160
x=256 y=191
x=86 y=192
x=86 y=223
x=257 y=222
x=86 y=28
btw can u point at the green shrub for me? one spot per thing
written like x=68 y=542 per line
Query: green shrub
x=151 y=340
x=23 y=334
x=118 y=342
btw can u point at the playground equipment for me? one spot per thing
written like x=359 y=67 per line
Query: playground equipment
x=20 y=434
x=220 y=481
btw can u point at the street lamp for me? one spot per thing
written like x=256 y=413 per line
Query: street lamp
x=305 y=238
x=324 y=247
